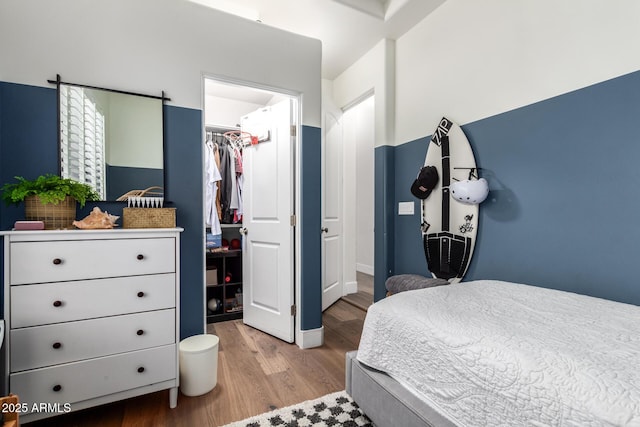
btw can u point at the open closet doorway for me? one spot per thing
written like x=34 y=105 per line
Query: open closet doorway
x=249 y=151
x=358 y=122
x=348 y=203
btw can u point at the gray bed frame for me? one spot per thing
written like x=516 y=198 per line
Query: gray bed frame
x=385 y=401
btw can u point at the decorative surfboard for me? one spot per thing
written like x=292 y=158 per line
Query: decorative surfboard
x=449 y=227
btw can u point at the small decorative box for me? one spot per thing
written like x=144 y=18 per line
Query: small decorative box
x=148 y=217
x=28 y=225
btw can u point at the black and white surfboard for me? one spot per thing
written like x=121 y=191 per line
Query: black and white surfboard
x=448 y=227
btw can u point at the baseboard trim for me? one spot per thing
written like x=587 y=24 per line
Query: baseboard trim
x=310 y=338
x=350 y=287
x=366 y=269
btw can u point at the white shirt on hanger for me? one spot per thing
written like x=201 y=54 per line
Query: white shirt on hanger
x=211 y=189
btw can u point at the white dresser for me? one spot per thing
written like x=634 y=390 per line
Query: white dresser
x=92 y=316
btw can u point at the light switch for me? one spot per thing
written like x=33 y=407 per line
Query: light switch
x=405 y=208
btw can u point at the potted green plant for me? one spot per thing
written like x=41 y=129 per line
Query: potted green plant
x=49 y=198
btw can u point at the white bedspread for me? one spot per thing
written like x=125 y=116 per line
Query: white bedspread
x=490 y=353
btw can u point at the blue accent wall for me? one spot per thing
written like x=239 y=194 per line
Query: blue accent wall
x=384 y=225
x=563 y=208
x=28 y=137
x=409 y=255
x=310 y=225
x=29 y=147
x=183 y=187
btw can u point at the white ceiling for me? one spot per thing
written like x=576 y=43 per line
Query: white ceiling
x=247 y=94
x=347 y=28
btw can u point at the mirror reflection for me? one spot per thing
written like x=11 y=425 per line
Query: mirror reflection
x=111 y=140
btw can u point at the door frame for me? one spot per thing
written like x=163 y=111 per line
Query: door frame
x=297 y=117
x=351 y=190
x=349 y=215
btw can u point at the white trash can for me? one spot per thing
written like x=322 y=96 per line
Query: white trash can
x=198 y=364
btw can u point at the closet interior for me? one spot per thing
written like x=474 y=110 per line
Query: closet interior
x=227 y=107
x=223 y=220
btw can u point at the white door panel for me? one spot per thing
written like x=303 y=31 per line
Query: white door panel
x=265 y=297
x=332 y=155
x=268 y=205
x=332 y=283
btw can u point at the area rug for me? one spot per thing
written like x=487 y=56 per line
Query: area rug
x=335 y=409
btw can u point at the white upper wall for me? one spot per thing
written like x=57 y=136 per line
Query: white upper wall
x=473 y=59
x=148 y=46
x=372 y=73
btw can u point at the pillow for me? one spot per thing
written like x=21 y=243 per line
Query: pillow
x=409 y=282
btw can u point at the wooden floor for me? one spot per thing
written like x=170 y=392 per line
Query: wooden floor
x=364 y=297
x=256 y=373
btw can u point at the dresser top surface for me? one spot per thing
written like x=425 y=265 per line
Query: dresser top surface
x=125 y=233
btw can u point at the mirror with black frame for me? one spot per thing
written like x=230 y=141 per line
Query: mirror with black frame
x=111 y=140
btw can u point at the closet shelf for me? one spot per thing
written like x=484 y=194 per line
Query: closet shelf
x=227 y=265
x=224 y=254
x=220 y=285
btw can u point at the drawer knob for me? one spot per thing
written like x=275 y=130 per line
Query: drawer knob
x=140 y=294
x=140 y=332
x=141 y=369
x=57 y=261
x=140 y=257
x=57 y=345
x=57 y=303
x=57 y=387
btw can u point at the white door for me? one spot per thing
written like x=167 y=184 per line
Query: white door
x=332 y=185
x=268 y=256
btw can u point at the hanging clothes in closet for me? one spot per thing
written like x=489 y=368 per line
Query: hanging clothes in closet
x=212 y=179
x=230 y=186
x=239 y=184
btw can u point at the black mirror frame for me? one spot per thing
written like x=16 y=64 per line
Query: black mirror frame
x=58 y=81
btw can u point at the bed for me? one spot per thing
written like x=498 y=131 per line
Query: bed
x=493 y=353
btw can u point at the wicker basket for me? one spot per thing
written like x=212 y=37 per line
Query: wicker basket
x=148 y=217
x=55 y=217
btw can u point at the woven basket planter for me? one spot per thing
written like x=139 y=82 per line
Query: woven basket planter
x=55 y=217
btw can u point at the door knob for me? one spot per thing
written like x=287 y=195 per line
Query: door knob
x=243 y=231
x=324 y=229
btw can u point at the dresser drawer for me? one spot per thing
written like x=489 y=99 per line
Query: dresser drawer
x=75 y=382
x=74 y=341
x=55 y=261
x=41 y=304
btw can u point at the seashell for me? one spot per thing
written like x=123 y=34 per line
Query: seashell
x=96 y=220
